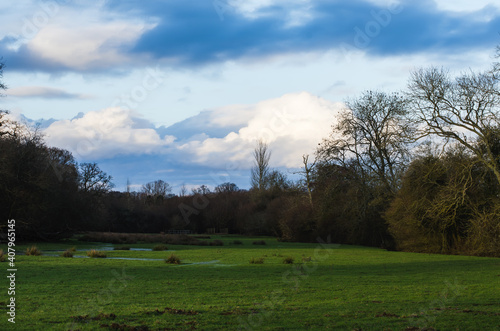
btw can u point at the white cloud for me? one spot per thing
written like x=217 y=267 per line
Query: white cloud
x=97 y=45
x=43 y=92
x=465 y=5
x=105 y=134
x=293 y=125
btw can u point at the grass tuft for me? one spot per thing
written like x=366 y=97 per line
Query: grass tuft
x=67 y=253
x=288 y=260
x=256 y=260
x=33 y=250
x=173 y=259
x=3 y=257
x=160 y=247
x=259 y=242
x=95 y=253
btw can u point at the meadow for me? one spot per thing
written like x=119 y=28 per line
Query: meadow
x=288 y=286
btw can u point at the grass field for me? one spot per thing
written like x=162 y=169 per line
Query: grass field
x=328 y=286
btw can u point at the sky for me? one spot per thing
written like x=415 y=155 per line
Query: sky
x=182 y=90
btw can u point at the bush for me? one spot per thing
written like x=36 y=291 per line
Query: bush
x=95 y=253
x=237 y=242
x=121 y=248
x=173 y=259
x=67 y=253
x=160 y=247
x=259 y=242
x=3 y=257
x=288 y=260
x=217 y=242
x=258 y=260
x=33 y=250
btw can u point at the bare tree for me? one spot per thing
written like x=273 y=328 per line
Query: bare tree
x=158 y=188
x=183 y=191
x=375 y=133
x=226 y=188
x=260 y=170
x=464 y=110
x=4 y=121
x=93 y=180
x=202 y=190
x=307 y=173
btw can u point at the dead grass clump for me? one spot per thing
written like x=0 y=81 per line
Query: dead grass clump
x=95 y=253
x=256 y=260
x=288 y=260
x=173 y=259
x=3 y=257
x=67 y=253
x=33 y=250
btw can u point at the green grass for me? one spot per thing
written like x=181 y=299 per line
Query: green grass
x=216 y=288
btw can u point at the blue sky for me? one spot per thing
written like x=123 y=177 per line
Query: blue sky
x=180 y=90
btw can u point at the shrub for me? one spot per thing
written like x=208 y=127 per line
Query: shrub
x=237 y=242
x=121 y=248
x=217 y=242
x=256 y=260
x=288 y=260
x=3 y=257
x=160 y=247
x=95 y=253
x=67 y=253
x=33 y=250
x=259 y=242
x=173 y=259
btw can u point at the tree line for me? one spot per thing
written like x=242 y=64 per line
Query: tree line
x=417 y=170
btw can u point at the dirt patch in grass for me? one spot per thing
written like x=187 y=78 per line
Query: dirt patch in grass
x=239 y=311
x=172 y=311
x=385 y=314
x=116 y=326
x=101 y=316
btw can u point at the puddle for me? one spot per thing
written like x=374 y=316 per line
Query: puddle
x=213 y=263
x=104 y=248
x=198 y=263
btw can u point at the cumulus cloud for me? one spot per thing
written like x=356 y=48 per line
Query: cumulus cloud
x=105 y=134
x=292 y=125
